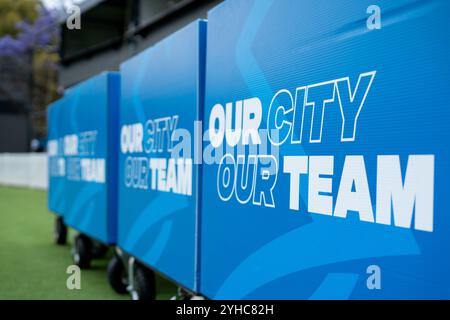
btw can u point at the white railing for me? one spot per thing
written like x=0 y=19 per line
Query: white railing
x=24 y=170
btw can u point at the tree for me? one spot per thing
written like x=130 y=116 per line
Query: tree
x=29 y=39
x=25 y=26
x=13 y=11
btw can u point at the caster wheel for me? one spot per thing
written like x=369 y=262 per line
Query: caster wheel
x=117 y=275
x=143 y=284
x=82 y=251
x=60 y=232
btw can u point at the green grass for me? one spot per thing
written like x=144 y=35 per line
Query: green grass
x=32 y=266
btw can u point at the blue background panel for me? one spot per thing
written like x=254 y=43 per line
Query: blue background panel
x=91 y=113
x=254 y=252
x=159 y=227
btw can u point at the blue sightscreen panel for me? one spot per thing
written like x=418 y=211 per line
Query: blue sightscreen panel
x=162 y=90
x=56 y=161
x=90 y=148
x=355 y=204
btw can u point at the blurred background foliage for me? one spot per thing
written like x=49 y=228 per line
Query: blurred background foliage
x=13 y=12
x=29 y=57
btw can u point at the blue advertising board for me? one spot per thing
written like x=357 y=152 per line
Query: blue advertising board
x=162 y=94
x=90 y=122
x=330 y=119
x=56 y=161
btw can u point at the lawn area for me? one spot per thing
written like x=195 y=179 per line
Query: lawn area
x=32 y=266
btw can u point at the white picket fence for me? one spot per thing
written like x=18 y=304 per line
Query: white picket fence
x=24 y=170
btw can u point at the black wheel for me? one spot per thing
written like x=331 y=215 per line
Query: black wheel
x=144 y=283
x=82 y=251
x=117 y=275
x=60 y=232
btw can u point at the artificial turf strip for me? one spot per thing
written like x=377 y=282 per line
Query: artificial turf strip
x=32 y=266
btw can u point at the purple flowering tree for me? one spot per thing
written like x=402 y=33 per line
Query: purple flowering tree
x=39 y=35
x=28 y=69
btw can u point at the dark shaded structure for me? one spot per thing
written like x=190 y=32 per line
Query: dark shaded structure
x=114 y=30
x=15 y=103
